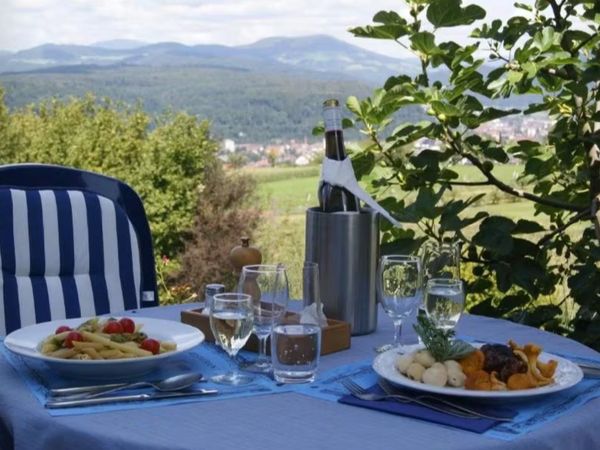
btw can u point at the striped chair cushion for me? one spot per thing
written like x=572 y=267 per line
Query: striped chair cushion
x=64 y=254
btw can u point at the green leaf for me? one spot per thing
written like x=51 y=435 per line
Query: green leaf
x=363 y=163
x=445 y=108
x=513 y=76
x=424 y=43
x=449 y=13
x=484 y=308
x=353 y=104
x=318 y=129
x=495 y=235
x=426 y=201
x=525 y=226
x=545 y=39
x=495 y=153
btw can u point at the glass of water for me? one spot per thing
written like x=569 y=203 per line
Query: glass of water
x=399 y=289
x=444 y=301
x=231 y=322
x=295 y=350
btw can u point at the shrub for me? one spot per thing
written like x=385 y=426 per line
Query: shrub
x=226 y=210
x=550 y=49
x=163 y=160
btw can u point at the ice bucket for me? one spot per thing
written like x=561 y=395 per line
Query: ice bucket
x=346 y=247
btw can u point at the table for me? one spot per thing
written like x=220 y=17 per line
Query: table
x=289 y=421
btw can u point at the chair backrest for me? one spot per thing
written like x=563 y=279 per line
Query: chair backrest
x=72 y=244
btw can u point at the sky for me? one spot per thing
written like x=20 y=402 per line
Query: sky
x=27 y=23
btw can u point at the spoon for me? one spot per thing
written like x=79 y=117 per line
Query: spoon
x=170 y=384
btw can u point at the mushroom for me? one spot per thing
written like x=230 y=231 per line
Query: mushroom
x=424 y=358
x=404 y=361
x=415 y=371
x=436 y=375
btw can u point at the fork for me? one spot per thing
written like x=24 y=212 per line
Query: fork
x=389 y=389
x=360 y=393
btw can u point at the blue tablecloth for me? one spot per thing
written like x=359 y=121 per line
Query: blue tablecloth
x=289 y=420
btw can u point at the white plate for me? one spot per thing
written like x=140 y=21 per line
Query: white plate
x=26 y=342
x=567 y=375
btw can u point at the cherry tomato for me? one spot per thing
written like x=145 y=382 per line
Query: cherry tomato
x=112 y=327
x=151 y=345
x=72 y=336
x=62 y=329
x=128 y=325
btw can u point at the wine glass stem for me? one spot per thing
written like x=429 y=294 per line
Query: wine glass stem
x=397 y=332
x=262 y=349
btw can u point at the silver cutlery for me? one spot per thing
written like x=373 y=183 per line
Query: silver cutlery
x=442 y=406
x=590 y=370
x=389 y=389
x=360 y=393
x=170 y=384
x=93 y=389
x=61 y=403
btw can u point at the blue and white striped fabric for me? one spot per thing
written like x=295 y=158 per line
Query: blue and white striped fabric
x=64 y=254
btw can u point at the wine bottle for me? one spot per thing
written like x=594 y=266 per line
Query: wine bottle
x=335 y=198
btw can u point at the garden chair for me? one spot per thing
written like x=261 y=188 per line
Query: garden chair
x=72 y=244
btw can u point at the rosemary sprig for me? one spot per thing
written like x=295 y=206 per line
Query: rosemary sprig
x=439 y=342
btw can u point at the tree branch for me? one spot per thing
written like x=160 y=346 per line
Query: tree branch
x=464 y=183
x=576 y=218
x=509 y=189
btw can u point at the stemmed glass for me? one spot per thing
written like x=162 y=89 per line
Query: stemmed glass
x=231 y=319
x=444 y=301
x=268 y=287
x=398 y=287
x=440 y=260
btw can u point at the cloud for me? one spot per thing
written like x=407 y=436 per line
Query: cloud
x=26 y=23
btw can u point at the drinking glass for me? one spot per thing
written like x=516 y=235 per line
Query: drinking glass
x=295 y=349
x=444 y=301
x=440 y=260
x=398 y=287
x=268 y=287
x=231 y=319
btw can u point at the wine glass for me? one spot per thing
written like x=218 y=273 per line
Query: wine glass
x=399 y=284
x=231 y=319
x=268 y=287
x=440 y=260
x=444 y=301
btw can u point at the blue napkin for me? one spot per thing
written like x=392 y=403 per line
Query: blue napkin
x=479 y=425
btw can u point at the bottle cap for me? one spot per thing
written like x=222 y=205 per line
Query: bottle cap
x=331 y=102
x=212 y=289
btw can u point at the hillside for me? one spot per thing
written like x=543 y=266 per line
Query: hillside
x=269 y=90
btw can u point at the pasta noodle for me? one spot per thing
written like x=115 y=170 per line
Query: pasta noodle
x=97 y=339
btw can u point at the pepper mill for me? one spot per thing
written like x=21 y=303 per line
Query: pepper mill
x=245 y=255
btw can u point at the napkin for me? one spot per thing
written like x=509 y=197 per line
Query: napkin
x=341 y=173
x=310 y=315
x=429 y=415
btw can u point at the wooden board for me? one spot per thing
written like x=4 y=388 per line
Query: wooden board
x=334 y=337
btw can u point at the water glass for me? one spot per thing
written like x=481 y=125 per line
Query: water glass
x=231 y=322
x=444 y=301
x=399 y=286
x=295 y=350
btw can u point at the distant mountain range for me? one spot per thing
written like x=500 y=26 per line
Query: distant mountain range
x=318 y=53
x=271 y=89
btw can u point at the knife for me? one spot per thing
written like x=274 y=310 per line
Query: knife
x=590 y=370
x=57 y=403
